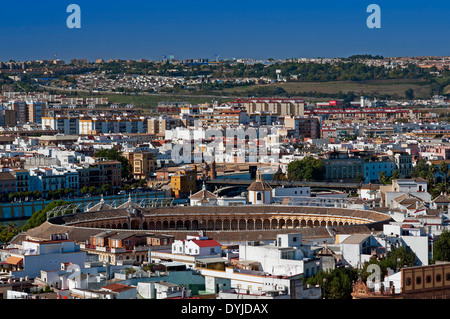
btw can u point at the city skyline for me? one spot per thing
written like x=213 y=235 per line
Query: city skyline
x=252 y=29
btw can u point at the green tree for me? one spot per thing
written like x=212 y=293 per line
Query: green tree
x=335 y=284
x=84 y=190
x=395 y=175
x=359 y=178
x=68 y=191
x=40 y=216
x=279 y=176
x=433 y=170
x=92 y=190
x=443 y=168
x=308 y=169
x=441 y=247
x=7 y=232
x=409 y=94
x=106 y=188
x=383 y=178
x=37 y=194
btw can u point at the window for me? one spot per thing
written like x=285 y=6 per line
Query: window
x=428 y=279
x=258 y=196
x=418 y=280
x=438 y=278
x=408 y=281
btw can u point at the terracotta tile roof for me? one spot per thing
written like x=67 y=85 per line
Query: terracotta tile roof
x=370 y=186
x=260 y=186
x=117 y=287
x=203 y=194
x=6 y=176
x=442 y=199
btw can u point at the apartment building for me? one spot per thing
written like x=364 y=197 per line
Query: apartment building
x=143 y=164
x=159 y=125
x=281 y=107
x=184 y=181
x=305 y=127
x=222 y=117
x=22 y=177
x=66 y=125
x=36 y=110
x=98 y=125
x=340 y=166
x=403 y=162
x=100 y=173
x=47 y=179
x=7 y=184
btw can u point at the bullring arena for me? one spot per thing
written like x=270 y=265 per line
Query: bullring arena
x=225 y=223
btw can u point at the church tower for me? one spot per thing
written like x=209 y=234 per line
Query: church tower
x=260 y=192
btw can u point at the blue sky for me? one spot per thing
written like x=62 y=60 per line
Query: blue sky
x=233 y=29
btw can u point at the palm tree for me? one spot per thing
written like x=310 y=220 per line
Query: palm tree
x=433 y=170
x=395 y=175
x=444 y=170
x=382 y=177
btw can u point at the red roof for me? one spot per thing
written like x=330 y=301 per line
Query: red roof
x=206 y=243
x=117 y=287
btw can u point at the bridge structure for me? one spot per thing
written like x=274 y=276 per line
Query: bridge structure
x=228 y=183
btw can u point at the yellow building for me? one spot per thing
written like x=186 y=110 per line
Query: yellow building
x=184 y=181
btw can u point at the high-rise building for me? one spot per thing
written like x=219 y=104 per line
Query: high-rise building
x=36 y=110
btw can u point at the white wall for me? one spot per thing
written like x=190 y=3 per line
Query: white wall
x=419 y=245
x=294 y=191
x=35 y=263
x=351 y=253
x=271 y=261
x=266 y=197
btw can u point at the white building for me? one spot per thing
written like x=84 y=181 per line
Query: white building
x=196 y=246
x=33 y=256
x=291 y=191
x=369 y=191
x=120 y=291
x=357 y=249
x=411 y=234
x=409 y=185
x=287 y=256
x=243 y=284
x=161 y=290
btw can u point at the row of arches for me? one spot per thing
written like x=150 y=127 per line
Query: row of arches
x=225 y=224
